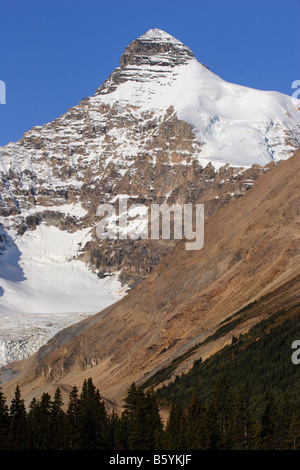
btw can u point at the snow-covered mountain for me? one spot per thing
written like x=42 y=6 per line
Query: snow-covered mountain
x=233 y=124
x=161 y=128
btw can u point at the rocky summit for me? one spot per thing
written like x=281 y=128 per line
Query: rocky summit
x=156 y=48
x=162 y=128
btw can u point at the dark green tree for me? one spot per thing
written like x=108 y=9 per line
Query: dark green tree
x=39 y=423
x=4 y=421
x=218 y=416
x=17 y=436
x=268 y=437
x=283 y=421
x=114 y=431
x=141 y=420
x=294 y=433
x=174 y=436
x=34 y=426
x=155 y=428
x=92 y=418
x=72 y=421
x=58 y=422
x=132 y=400
x=195 y=426
x=242 y=428
x=123 y=434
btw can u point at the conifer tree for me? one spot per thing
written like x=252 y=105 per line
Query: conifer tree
x=132 y=399
x=174 y=436
x=131 y=418
x=33 y=425
x=39 y=423
x=195 y=426
x=155 y=432
x=123 y=433
x=242 y=422
x=283 y=421
x=4 y=421
x=147 y=426
x=72 y=426
x=58 y=425
x=17 y=432
x=92 y=418
x=268 y=425
x=294 y=433
x=113 y=431
x=142 y=420
x=218 y=416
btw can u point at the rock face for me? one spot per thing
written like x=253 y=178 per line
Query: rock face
x=161 y=129
x=156 y=48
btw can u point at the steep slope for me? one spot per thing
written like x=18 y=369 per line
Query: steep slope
x=251 y=252
x=161 y=128
x=261 y=359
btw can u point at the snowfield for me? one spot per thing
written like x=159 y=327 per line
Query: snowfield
x=44 y=289
x=238 y=125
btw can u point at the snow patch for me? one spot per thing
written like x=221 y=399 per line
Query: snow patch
x=44 y=288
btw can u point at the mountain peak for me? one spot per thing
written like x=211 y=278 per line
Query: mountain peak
x=158 y=34
x=156 y=47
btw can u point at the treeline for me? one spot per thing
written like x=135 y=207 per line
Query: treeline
x=225 y=423
x=228 y=423
x=260 y=359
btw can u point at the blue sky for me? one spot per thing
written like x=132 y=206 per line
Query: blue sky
x=54 y=53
